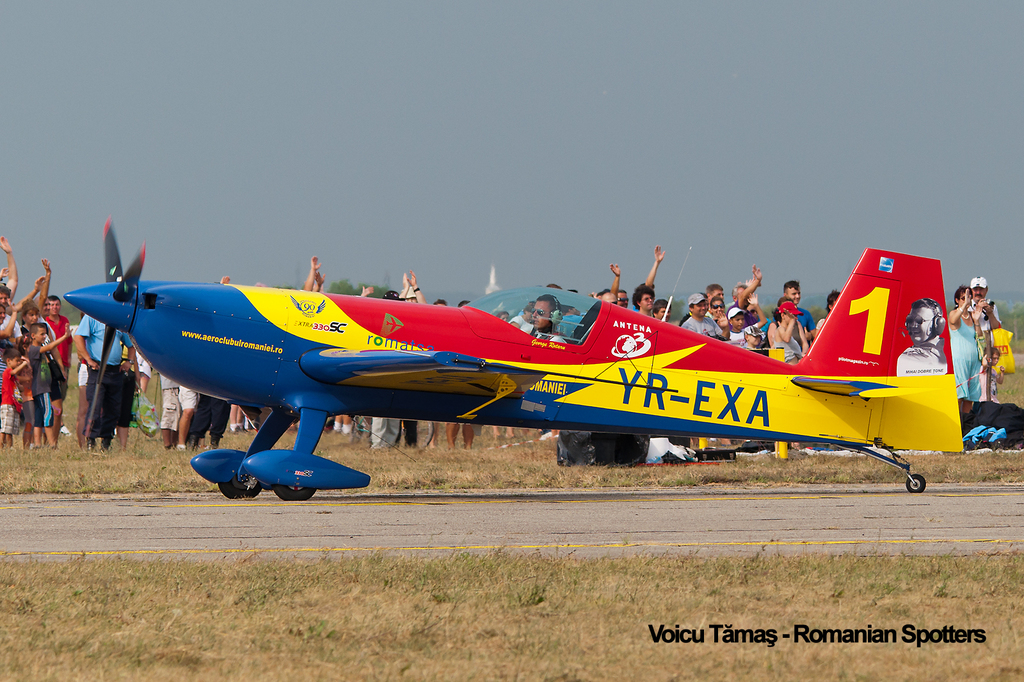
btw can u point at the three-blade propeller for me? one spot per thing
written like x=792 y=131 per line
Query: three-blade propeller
x=127 y=284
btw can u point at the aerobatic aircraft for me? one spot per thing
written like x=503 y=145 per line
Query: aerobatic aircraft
x=878 y=378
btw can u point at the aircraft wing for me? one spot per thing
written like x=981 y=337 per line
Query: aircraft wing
x=435 y=371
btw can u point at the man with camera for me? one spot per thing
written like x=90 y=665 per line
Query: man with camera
x=990 y=316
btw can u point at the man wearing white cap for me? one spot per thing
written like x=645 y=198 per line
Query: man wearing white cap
x=990 y=317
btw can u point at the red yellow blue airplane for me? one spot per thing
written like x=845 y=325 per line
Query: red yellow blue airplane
x=878 y=377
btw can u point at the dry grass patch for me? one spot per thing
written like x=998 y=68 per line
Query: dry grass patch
x=146 y=467
x=501 y=617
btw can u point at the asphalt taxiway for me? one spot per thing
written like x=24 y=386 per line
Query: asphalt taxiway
x=711 y=521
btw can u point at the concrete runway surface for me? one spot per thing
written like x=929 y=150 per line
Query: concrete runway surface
x=713 y=521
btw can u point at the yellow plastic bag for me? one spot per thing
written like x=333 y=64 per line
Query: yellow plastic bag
x=1001 y=339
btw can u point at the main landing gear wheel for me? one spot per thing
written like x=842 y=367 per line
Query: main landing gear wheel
x=916 y=483
x=236 y=490
x=290 y=494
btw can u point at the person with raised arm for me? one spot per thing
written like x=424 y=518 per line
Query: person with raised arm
x=621 y=297
x=12 y=273
x=964 y=328
x=659 y=255
x=742 y=293
x=789 y=333
x=314 y=280
x=58 y=325
x=42 y=383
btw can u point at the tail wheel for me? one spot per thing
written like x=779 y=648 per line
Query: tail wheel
x=916 y=483
x=290 y=494
x=236 y=490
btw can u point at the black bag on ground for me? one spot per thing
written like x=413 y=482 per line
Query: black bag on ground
x=583 y=448
x=998 y=415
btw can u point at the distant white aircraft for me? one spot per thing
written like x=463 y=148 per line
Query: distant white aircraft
x=492 y=286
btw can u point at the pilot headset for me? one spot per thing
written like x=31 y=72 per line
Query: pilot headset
x=938 y=320
x=556 y=312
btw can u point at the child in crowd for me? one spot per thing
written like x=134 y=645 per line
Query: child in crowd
x=42 y=382
x=24 y=377
x=990 y=389
x=753 y=336
x=737 y=319
x=10 y=397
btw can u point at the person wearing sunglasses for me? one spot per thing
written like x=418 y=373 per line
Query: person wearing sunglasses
x=546 y=314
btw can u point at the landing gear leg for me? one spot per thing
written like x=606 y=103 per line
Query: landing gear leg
x=915 y=482
x=311 y=428
x=271 y=430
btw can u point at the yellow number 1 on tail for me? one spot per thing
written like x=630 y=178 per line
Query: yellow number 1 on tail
x=875 y=304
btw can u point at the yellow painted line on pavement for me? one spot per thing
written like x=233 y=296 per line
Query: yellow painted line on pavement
x=611 y=545
x=526 y=500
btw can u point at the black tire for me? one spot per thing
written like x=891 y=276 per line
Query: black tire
x=234 y=490
x=290 y=494
x=916 y=483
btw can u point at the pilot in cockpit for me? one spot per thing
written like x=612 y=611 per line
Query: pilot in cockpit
x=546 y=315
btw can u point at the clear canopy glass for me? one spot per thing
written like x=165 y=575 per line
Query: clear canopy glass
x=571 y=315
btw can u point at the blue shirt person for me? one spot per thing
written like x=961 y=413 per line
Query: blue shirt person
x=89 y=346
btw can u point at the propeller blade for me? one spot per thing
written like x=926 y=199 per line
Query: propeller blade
x=108 y=342
x=135 y=269
x=111 y=254
x=130 y=280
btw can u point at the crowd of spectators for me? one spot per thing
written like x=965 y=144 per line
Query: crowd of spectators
x=36 y=343
x=35 y=358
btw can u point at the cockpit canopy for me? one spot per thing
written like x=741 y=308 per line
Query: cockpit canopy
x=571 y=318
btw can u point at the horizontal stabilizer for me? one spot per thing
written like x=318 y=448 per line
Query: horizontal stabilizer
x=302 y=470
x=850 y=387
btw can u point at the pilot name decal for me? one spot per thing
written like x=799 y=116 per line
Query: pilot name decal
x=631 y=326
x=392 y=344
x=541 y=343
x=309 y=308
x=627 y=346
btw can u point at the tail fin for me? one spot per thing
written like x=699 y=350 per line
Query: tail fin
x=889 y=324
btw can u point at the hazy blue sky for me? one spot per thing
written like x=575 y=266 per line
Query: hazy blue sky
x=548 y=138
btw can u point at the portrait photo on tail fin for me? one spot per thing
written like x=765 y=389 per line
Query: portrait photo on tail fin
x=927 y=355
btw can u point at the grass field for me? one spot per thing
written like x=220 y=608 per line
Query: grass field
x=500 y=617
x=497 y=616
